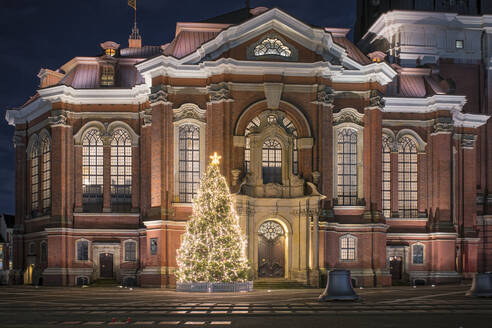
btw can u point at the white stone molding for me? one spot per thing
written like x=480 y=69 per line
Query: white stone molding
x=273 y=93
x=250 y=51
x=158 y=94
x=79 y=136
x=305 y=143
x=219 y=92
x=59 y=119
x=28 y=113
x=348 y=115
x=122 y=125
x=325 y=95
x=33 y=140
x=189 y=111
x=467 y=140
x=419 y=142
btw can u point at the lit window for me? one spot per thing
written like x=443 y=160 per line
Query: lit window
x=272 y=46
x=460 y=44
x=348 y=246
x=272 y=161
x=270 y=230
x=189 y=162
x=92 y=171
x=407 y=178
x=130 y=251
x=121 y=171
x=347 y=167
x=153 y=246
x=35 y=179
x=83 y=250
x=110 y=52
x=107 y=75
x=386 y=187
x=418 y=254
x=247 y=150
x=46 y=174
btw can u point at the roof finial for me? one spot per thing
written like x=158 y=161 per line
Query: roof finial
x=247 y=4
x=135 y=40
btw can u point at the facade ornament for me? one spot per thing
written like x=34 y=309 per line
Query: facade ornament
x=443 y=125
x=18 y=141
x=189 y=110
x=376 y=99
x=468 y=141
x=158 y=93
x=219 y=92
x=59 y=119
x=235 y=176
x=105 y=135
x=348 y=115
x=316 y=176
x=146 y=116
x=326 y=96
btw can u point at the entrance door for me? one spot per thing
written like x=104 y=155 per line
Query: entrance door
x=106 y=265
x=271 y=250
x=395 y=268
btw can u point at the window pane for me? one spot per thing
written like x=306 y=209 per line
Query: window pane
x=272 y=161
x=407 y=178
x=347 y=166
x=92 y=171
x=121 y=171
x=189 y=162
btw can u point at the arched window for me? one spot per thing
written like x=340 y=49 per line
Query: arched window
x=92 y=171
x=407 y=177
x=347 y=167
x=290 y=129
x=348 y=248
x=82 y=250
x=386 y=185
x=272 y=161
x=46 y=174
x=130 y=251
x=35 y=179
x=121 y=171
x=189 y=162
x=418 y=254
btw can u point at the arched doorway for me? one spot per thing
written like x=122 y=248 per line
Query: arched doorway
x=271 y=250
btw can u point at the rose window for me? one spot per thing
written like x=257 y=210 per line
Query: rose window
x=271 y=230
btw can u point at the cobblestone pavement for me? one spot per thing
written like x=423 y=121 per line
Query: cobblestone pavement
x=440 y=306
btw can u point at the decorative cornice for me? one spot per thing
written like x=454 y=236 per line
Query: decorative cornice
x=219 y=92
x=58 y=120
x=467 y=141
x=348 y=115
x=146 y=116
x=376 y=99
x=443 y=125
x=189 y=110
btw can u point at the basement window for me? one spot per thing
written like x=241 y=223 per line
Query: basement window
x=460 y=44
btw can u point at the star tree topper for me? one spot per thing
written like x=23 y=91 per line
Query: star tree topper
x=215 y=159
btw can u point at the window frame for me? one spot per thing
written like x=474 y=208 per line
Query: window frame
x=348 y=237
x=386 y=150
x=35 y=176
x=418 y=244
x=46 y=177
x=121 y=202
x=151 y=250
x=79 y=241
x=202 y=162
x=408 y=196
x=274 y=156
x=125 y=243
x=96 y=205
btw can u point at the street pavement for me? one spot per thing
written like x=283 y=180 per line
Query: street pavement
x=423 y=306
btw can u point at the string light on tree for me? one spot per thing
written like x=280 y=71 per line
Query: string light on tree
x=213 y=247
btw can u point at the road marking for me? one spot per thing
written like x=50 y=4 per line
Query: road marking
x=194 y=323
x=169 y=323
x=419 y=297
x=220 y=323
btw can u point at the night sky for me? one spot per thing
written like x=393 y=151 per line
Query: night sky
x=37 y=34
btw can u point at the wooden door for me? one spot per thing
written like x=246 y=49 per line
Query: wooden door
x=106 y=265
x=395 y=268
x=271 y=251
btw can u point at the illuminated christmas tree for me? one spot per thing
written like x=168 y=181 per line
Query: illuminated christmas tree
x=213 y=247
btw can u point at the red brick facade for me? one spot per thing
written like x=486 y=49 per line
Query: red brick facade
x=323 y=89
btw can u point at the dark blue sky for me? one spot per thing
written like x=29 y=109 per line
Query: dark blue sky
x=37 y=34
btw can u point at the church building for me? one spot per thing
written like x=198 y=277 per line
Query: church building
x=376 y=159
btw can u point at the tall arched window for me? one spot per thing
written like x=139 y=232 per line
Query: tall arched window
x=272 y=161
x=290 y=129
x=121 y=171
x=189 y=162
x=347 y=167
x=386 y=185
x=407 y=177
x=46 y=174
x=92 y=171
x=35 y=178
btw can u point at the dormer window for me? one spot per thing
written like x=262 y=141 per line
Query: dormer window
x=272 y=46
x=110 y=52
x=107 y=75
